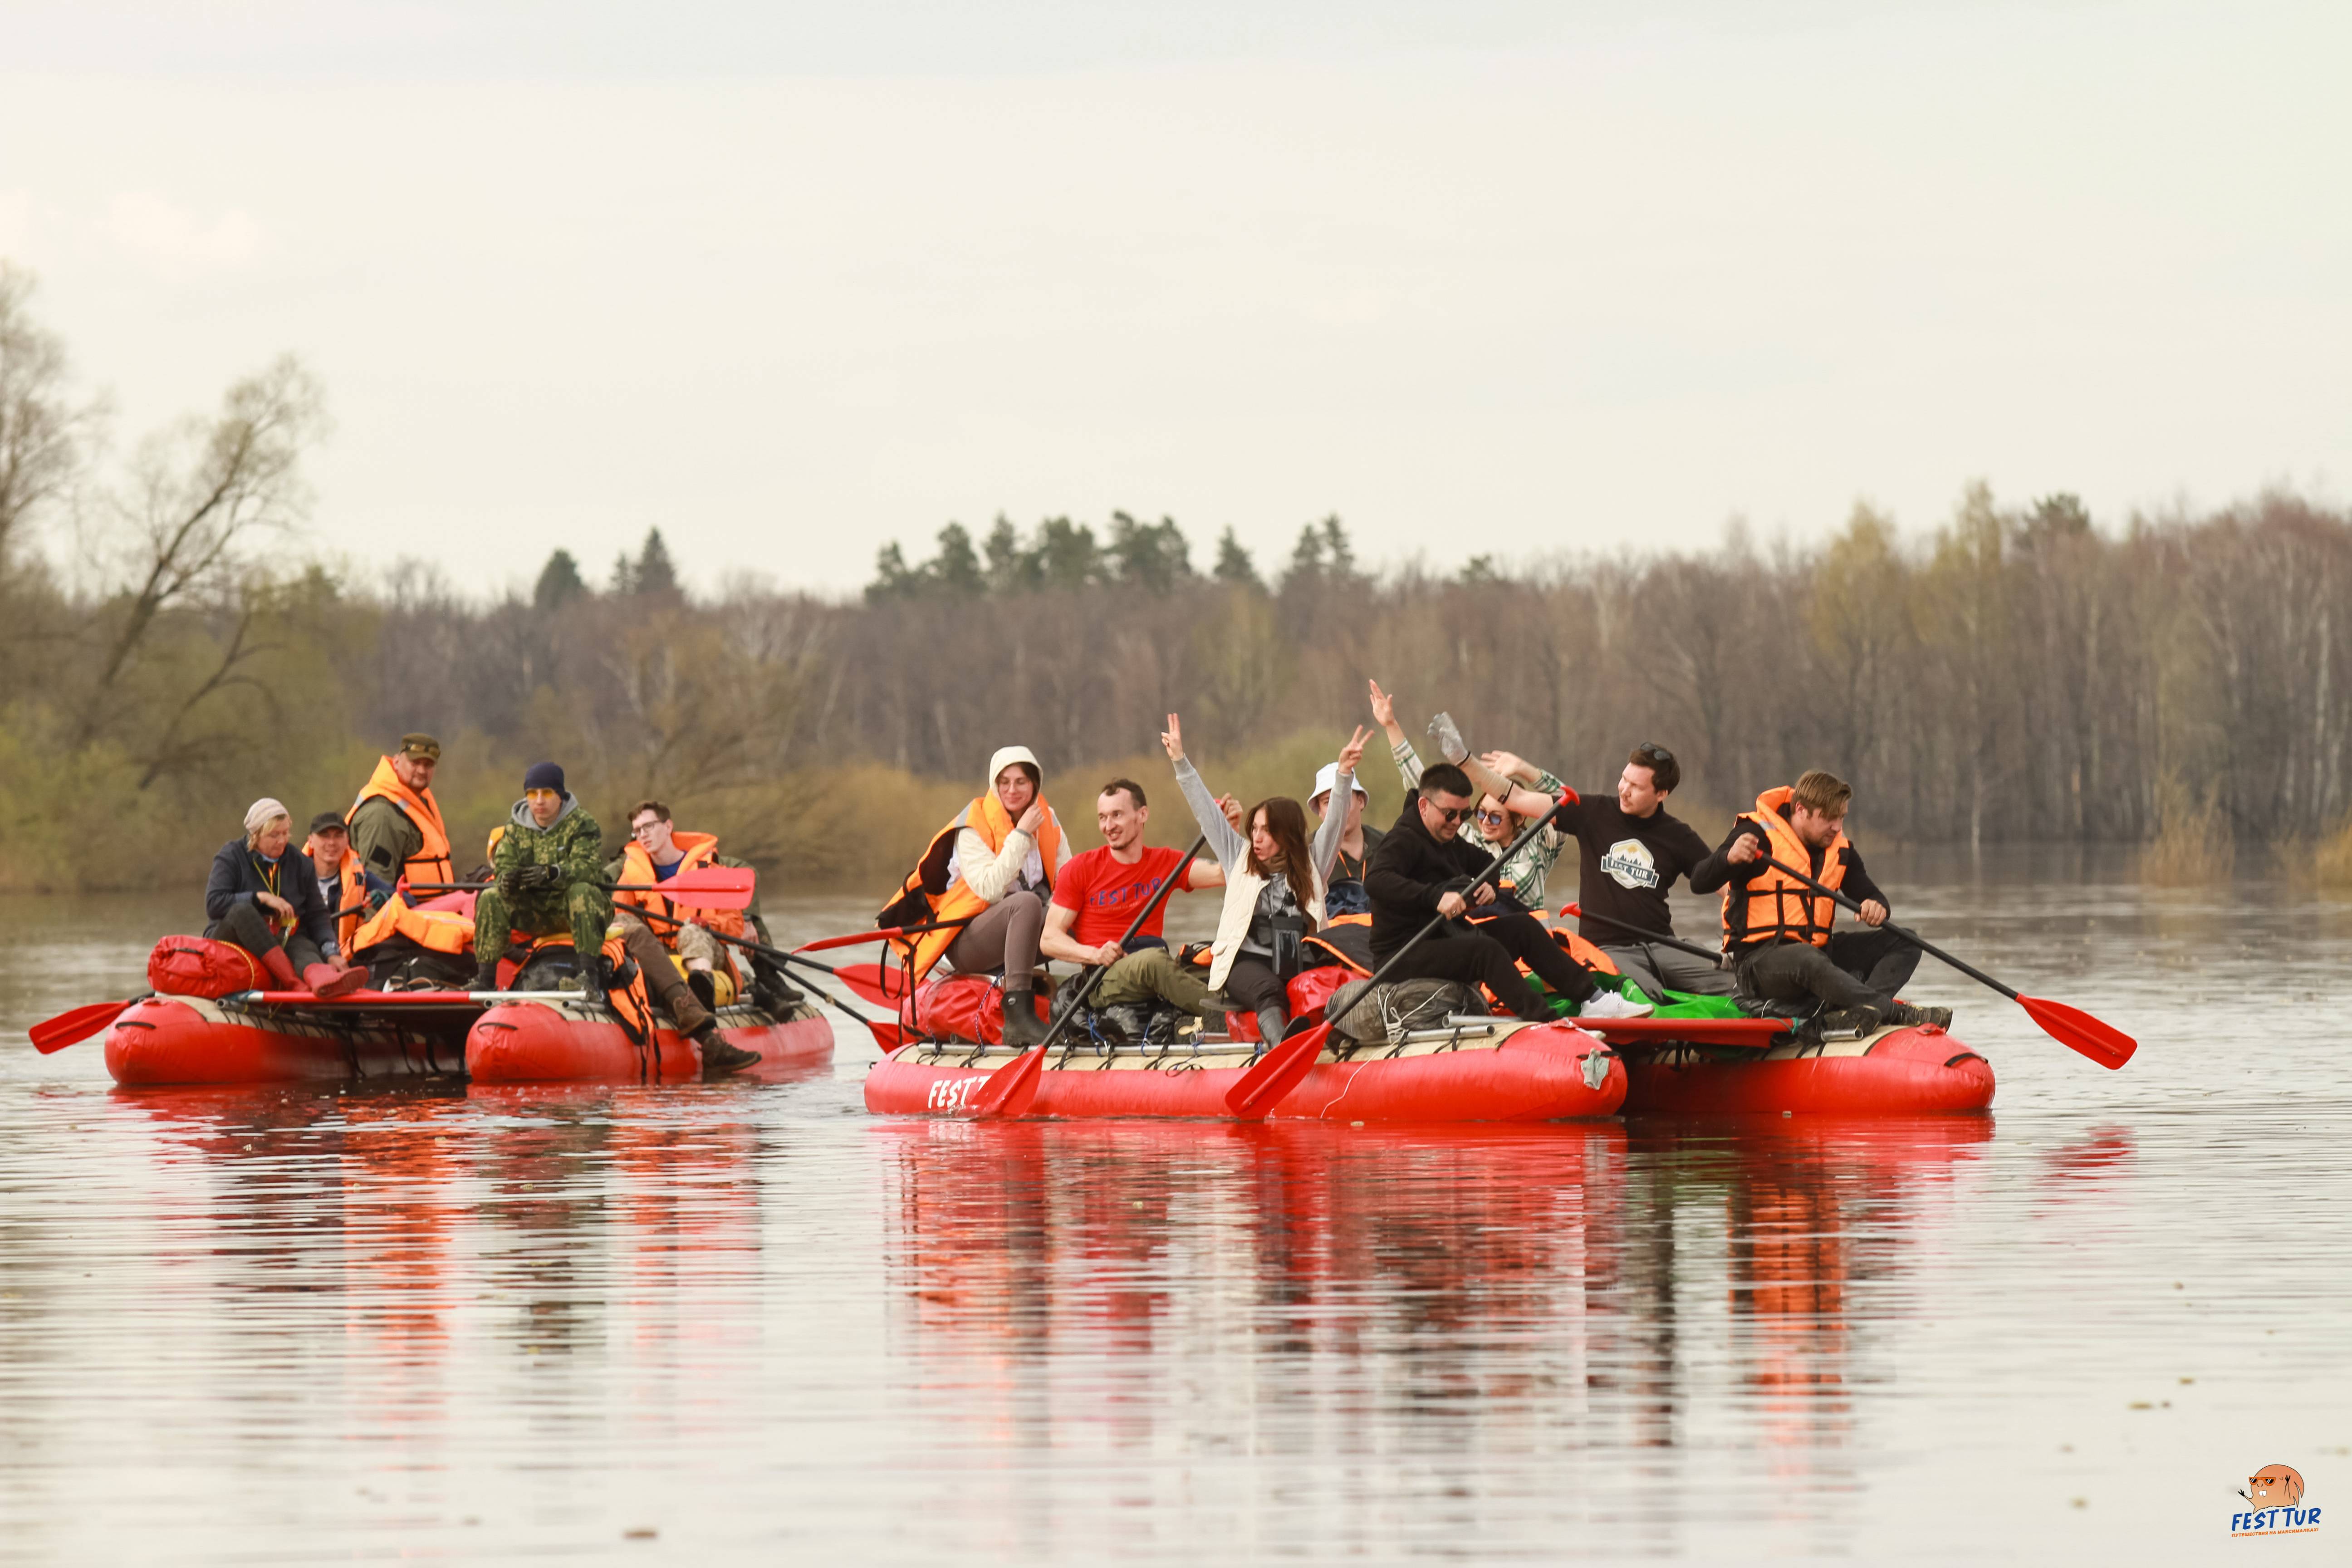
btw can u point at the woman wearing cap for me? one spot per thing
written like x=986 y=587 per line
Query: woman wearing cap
x=1275 y=883
x=263 y=897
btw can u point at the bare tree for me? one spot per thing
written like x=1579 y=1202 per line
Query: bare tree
x=45 y=436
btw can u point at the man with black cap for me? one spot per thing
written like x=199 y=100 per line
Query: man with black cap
x=352 y=891
x=396 y=825
x=547 y=875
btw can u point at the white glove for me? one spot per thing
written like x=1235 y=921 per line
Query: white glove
x=1448 y=739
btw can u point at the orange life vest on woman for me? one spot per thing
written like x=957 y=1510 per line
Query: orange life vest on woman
x=1774 y=907
x=431 y=863
x=637 y=869
x=927 y=896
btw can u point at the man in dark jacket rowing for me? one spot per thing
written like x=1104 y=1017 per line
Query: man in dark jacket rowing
x=263 y=897
x=1419 y=873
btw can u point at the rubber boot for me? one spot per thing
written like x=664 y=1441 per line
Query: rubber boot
x=280 y=969
x=1270 y=1023
x=719 y=1058
x=486 y=977
x=327 y=980
x=1021 y=1027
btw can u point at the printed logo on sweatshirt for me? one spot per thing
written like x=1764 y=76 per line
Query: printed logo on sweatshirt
x=1630 y=864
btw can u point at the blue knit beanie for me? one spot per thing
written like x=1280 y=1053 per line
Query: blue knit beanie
x=543 y=775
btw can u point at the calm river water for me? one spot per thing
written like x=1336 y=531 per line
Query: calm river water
x=741 y=1322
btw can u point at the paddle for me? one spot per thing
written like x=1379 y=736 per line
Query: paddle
x=886 y=933
x=1578 y=912
x=701 y=887
x=1008 y=1091
x=1272 y=1077
x=2070 y=1027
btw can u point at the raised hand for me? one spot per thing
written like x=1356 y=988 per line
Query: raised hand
x=1173 y=739
x=1231 y=805
x=1383 y=708
x=1353 y=752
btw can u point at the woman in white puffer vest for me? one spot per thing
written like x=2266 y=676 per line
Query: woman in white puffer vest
x=1274 y=884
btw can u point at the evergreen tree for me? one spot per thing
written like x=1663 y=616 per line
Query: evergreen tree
x=1066 y=554
x=1233 y=562
x=625 y=574
x=655 y=577
x=892 y=579
x=955 y=567
x=1009 y=568
x=1153 y=556
x=560 y=581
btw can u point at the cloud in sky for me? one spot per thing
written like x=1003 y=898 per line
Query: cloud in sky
x=1481 y=279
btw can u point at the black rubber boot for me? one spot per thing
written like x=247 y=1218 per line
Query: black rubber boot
x=1022 y=1027
x=719 y=1058
x=1271 y=1023
x=486 y=977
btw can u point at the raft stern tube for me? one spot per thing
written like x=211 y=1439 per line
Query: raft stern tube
x=1894 y=1072
x=584 y=1042
x=1487 y=1070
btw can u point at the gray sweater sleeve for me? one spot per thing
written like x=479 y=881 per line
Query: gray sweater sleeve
x=1227 y=846
x=1326 y=847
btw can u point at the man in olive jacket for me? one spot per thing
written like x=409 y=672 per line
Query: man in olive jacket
x=549 y=874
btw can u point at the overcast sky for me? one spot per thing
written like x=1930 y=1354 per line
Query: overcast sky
x=788 y=281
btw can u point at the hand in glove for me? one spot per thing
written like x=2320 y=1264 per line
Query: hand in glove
x=1449 y=740
x=534 y=879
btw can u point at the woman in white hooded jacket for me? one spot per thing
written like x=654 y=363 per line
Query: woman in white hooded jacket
x=1009 y=848
x=1275 y=882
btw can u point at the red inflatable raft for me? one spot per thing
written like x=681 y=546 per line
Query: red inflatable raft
x=583 y=1042
x=1894 y=1072
x=238 y=1039
x=1491 y=1070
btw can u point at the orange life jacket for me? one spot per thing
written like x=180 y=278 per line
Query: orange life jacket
x=1774 y=907
x=443 y=931
x=637 y=867
x=351 y=894
x=925 y=897
x=431 y=863
x=632 y=1003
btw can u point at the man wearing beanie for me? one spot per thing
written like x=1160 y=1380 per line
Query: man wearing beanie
x=548 y=875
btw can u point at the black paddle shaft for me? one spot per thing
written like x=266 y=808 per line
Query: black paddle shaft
x=1647 y=935
x=778 y=953
x=1331 y=1021
x=1914 y=938
x=1095 y=971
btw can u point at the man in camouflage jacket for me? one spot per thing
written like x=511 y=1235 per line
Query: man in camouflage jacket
x=549 y=873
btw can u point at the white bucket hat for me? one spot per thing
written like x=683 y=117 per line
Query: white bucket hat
x=1327 y=779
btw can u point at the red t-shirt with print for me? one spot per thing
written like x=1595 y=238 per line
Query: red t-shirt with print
x=1107 y=895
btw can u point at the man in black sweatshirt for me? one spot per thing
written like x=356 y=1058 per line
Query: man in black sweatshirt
x=1779 y=930
x=1419 y=873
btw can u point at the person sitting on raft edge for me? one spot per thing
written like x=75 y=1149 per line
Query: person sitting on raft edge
x=547 y=877
x=1419 y=873
x=656 y=852
x=990 y=871
x=1274 y=884
x=1101 y=891
x=1779 y=930
x=263 y=896
x=350 y=891
x=395 y=824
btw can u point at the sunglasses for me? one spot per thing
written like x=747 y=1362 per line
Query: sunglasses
x=1657 y=754
x=1492 y=815
x=1451 y=814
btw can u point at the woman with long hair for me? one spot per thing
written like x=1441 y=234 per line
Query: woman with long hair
x=1275 y=881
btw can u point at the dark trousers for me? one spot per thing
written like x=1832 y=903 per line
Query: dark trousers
x=248 y=928
x=1252 y=983
x=1860 y=969
x=1003 y=935
x=1483 y=957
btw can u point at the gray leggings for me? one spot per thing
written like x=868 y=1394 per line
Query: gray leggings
x=1004 y=934
x=248 y=928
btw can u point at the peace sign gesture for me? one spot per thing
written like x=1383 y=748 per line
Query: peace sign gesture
x=1173 y=739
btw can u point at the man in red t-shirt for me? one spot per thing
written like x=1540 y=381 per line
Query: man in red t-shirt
x=1098 y=894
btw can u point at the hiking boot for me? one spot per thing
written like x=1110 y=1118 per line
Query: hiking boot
x=705 y=989
x=1906 y=1017
x=1023 y=1029
x=1610 y=1005
x=1846 y=1023
x=486 y=977
x=719 y=1058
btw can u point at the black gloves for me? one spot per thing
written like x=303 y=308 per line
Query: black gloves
x=529 y=880
x=612 y=977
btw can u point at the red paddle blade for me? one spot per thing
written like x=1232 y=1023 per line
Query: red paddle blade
x=1278 y=1072
x=886 y=1035
x=880 y=986
x=2078 y=1030
x=708 y=887
x=56 y=1034
x=851 y=939
x=1011 y=1088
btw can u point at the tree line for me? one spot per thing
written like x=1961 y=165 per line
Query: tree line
x=2016 y=673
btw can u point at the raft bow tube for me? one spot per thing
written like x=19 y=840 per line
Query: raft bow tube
x=1894 y=1072
x=160 y=1040
x=583 y=1042
x=1494 y=1070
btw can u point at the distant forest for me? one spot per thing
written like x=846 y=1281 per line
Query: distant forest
x=2016 y=672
